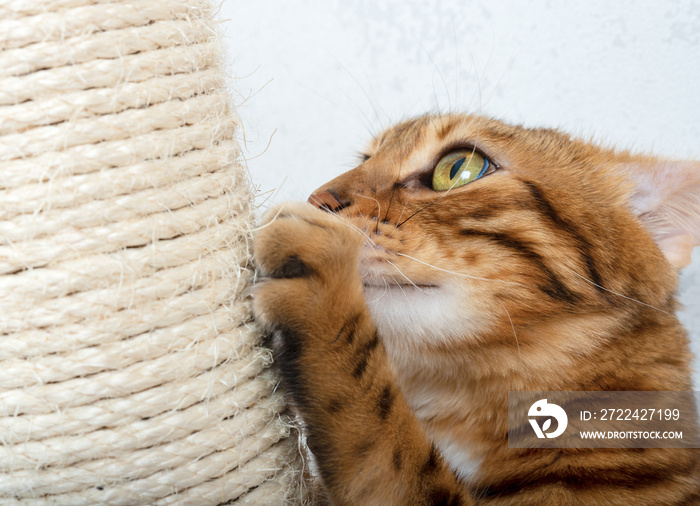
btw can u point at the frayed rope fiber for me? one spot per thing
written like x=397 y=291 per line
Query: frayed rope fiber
x=130 y=368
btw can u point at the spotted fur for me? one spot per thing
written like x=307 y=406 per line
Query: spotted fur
x=401 y=316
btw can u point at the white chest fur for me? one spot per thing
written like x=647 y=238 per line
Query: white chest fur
x=459 y=458
x=431 y=403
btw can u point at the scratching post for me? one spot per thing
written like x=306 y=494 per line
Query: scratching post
x=130 y=369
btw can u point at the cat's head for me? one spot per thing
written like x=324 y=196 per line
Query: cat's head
x=482 y=235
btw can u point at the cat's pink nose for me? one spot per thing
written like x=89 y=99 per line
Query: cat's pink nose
x=326 y=201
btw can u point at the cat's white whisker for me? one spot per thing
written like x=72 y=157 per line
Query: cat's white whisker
x=386 y=290
x=459 y=273
x=478 y=92
x=513 y=327
x=374 y=250
x=357 y=229
x=618 y=294
x=399 y=286
x=498 y=82
x=375 y=107
x=377 y=299
x=398 y=221
x=442 y=77
x=393 y=192
x=379 y=206
x=406 y=277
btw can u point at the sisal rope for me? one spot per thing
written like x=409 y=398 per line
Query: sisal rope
x=130 y=369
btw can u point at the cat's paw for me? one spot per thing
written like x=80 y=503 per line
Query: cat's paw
x=307 y=264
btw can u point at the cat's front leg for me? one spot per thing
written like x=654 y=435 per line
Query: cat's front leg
x=368 y=445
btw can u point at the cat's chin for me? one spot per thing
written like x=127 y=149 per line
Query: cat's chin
x=386 y=299
x=411 y=314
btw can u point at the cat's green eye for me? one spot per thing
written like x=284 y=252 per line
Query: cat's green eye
x=459 y=168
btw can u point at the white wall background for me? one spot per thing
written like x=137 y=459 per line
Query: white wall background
x=316 y=78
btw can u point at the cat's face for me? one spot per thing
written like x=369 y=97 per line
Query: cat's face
x=546 y=238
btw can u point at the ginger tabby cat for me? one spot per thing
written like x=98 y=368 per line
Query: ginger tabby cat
x=462 y=259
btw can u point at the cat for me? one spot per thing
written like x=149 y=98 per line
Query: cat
x=462 y=259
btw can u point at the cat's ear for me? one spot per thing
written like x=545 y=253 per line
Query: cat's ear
x=666 y=197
